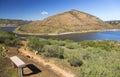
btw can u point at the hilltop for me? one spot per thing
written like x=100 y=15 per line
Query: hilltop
x=12 y=22
x=70 y=21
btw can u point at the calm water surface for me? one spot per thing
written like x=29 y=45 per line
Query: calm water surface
x=108 y=35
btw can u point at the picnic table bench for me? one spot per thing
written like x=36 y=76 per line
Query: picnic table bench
x=19 y=63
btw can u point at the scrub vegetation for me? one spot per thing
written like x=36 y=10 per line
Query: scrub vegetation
x=7 y=40
x=86 y=58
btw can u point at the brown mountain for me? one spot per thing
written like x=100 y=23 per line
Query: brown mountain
x=12 y=22
x=71 y=21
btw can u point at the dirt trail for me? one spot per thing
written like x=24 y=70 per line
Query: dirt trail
x=40 y=60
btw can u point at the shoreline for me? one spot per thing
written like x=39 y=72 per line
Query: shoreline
x=8 y=26
x=65 y=33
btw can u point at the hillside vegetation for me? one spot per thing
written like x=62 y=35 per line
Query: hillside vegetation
x=86 y=58
x=12 y=22
x=9 y=46
x=115 y=23
x=6 y=69
x=7 y=40
x=71 y=21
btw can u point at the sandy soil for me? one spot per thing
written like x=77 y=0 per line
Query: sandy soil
x=39 y=69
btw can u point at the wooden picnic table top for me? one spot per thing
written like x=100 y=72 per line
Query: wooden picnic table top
x=17 y=61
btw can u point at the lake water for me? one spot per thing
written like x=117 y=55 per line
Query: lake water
x=9 y=29
x=103 y=35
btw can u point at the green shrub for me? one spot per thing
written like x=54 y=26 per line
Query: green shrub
x=8 y=38
x=44 y=42
x=14 y=42
x=60 y=43
x=35 y=43
x=69 y=41
x=107 y=45
x=72 y=45
x=56 y=42
x=75 y=61
x=87 y=43
x=3 y=51
x=86 y=56
x=52 y=42
x=53 y=51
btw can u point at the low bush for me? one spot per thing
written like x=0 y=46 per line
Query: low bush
x=36 y=44
x=56 y=42
x=61 y=43
x=53 y=51
x=8 y=38
x=107 y=45
x=69 y=41
x=33 y=43
x=3 y=51
x=72 y=45
x=75 y=61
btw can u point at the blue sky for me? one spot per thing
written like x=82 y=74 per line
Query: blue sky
x=39 y=9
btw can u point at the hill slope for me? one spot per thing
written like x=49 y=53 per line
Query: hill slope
x=12 y=23
x=115 y=23
x=71 y=21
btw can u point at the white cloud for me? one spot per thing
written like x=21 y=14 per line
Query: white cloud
x=44 y=13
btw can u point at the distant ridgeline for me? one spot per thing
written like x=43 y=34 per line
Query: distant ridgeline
x=115 y=23
x=12 y=22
